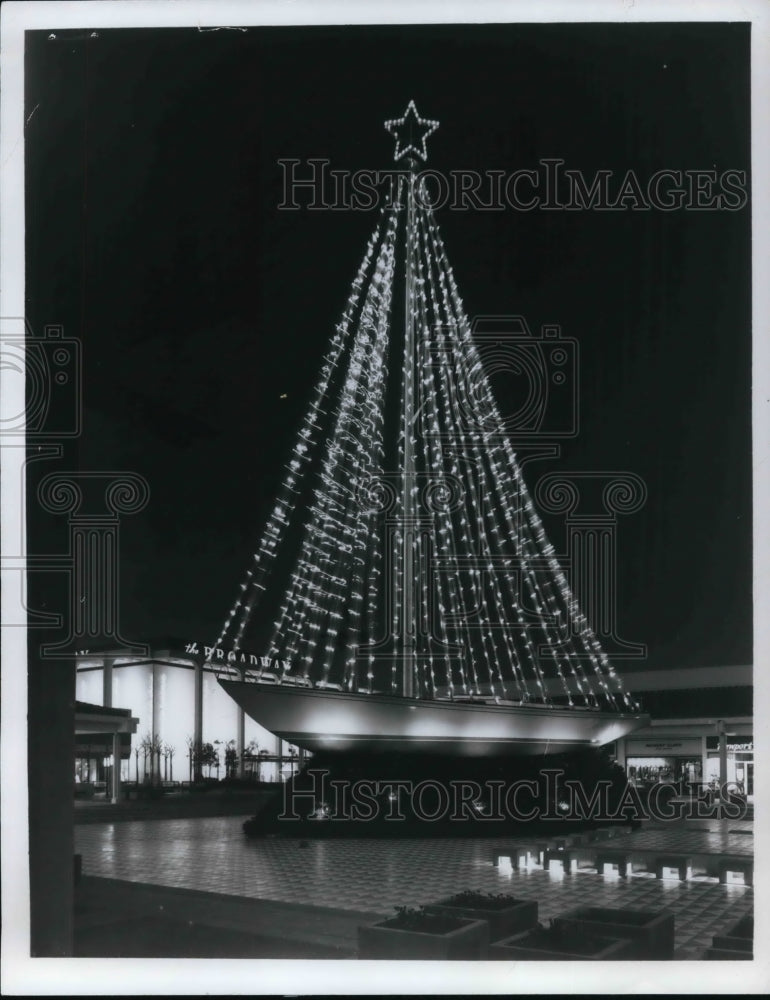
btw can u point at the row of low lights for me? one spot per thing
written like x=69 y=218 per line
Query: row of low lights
x=596 y=655
x=611 y=870
x=287 y=498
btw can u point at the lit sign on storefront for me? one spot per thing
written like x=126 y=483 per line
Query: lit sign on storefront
x=231 y=656
x=640 y=748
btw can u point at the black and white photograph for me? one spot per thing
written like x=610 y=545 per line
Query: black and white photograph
x=384 y=450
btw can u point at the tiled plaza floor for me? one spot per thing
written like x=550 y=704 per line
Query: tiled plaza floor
x=213 y=855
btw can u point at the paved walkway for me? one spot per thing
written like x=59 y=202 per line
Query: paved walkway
x=134 y=920
x=333 y=885
x=174 y=805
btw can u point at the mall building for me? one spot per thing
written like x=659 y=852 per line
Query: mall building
x=701 y=725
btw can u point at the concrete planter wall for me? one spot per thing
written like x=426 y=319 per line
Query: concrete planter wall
x=650 y=932
x=736 y=944
x=468 y=942
x=520 y=916
x=530 y=946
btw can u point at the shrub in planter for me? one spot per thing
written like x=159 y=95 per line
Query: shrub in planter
x=559 y=943
x=415 y=933
x=505 y=914
x=651 y=932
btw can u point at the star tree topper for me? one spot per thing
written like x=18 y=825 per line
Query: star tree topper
x=411 y=131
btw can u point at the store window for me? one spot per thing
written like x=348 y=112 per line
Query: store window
x=676 y=770
x=740 y=762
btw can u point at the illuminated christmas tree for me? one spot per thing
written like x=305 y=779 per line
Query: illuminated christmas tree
x=436 y=581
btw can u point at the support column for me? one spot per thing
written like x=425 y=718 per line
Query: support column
x=722 y=756
x=51 y=754
x=107 y=681
x=115 y=791
x=240 y=742
x=198 y=720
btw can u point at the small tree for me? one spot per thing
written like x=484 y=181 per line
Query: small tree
x=251 y=757
x=194 y=751
x=152 y=746
x=168 y=762
x=231 y=759
x=208 y=757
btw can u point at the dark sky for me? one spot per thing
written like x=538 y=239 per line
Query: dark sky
x=154 y=236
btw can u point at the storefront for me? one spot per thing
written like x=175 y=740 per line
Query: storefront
x=186 y=722
x=687 y=751
x=740 y=762
x=675 y=760
x=102 y=747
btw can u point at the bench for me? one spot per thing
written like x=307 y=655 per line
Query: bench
x=679 y=863
x=515 y=857
x=733 y=866
x=566 y=856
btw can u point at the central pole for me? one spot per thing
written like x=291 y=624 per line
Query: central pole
x=409 y=625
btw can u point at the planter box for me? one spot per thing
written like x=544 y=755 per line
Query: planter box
x=517 y=856
x=740 y=937
x=468 y=942
x=521 y=916
x=567 y=856
x=527 y=945
x=650 y=933
x=723 y=955
x=620 y=858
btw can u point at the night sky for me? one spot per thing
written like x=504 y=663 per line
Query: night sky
x=154 y=236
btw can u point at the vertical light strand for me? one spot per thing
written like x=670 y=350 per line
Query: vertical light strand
x=456 y=324
x=587 y=635
x=472 y=513
x=253 y=585
x=327 y=548
x=441 y=418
